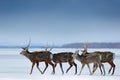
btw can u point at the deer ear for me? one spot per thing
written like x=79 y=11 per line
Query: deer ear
x=24 y=48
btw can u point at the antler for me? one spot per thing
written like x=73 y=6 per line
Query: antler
x=85 y=46
x=25 y=48
x=46 y=47
x=28 y=44
x=51 y=47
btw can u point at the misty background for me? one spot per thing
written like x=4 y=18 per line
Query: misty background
x=59 y=21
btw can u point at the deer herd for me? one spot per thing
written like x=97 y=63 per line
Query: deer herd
x=96 y=57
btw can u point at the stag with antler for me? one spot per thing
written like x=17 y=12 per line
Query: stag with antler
x=93 y=58
x=38 y=56
x=63 y=57
x=106 y=56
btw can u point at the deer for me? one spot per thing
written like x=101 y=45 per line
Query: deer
x=106 y=57
x=62 y=57
x=38 y=56
x=93 y=58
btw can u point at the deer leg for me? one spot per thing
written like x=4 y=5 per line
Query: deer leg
x=81 y=68
x=32 y=67
x=94 y=65
x=69 y=67
x=100 y=69
x=45 y=67
x=75 y=67
x=113 y=69
x=94 y=69
x=103 y=68
x=112 y=65
x=110 y=70
x=38 y=67
x=53 y=66
x=61 y=68
x=89 y=68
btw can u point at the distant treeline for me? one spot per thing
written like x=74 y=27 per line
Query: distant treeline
x=70 y=45
x=92 y=45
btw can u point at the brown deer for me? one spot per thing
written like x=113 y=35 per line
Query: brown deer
x=64 y=57
x=93 y=58
x=106 y=56
x=38 y=56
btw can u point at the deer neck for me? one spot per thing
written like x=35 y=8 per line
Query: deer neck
x=27 y=55
x=82 y=58
x=78 y=57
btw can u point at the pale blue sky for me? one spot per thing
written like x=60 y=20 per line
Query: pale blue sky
x=59 y=21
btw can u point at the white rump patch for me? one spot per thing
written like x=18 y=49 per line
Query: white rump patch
x=74 y=56
x=100 y=56
x=51 y=56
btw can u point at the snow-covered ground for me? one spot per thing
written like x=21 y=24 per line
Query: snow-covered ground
x=14 y=66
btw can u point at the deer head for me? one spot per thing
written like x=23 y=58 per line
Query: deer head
x=25 y=49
